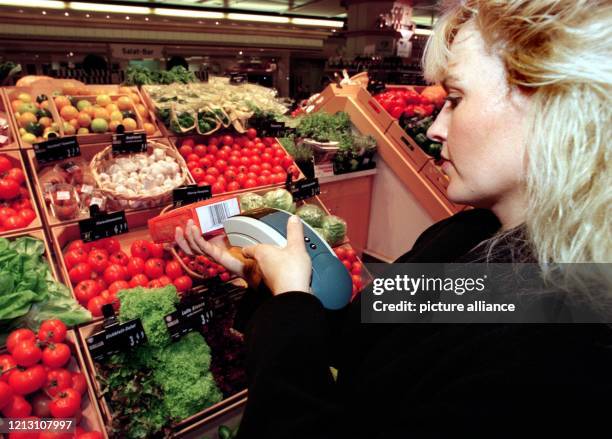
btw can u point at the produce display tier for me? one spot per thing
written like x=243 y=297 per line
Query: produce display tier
x=8 y=139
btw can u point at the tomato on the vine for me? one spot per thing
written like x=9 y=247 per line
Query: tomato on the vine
x=24 y=382
x=86 y=290
x=7 y=367
x=18 y=336
x=52 y=330
x=58 y=380
x=26 y=353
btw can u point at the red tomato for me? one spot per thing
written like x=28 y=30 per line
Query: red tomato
x=356 y=268
x=23 y=203
x=164 y=280
x=5 y=164
x=117 y=286
x=7 y=362
x=18 y=336
x=156 y=250
x=188 y=142
x=119 y=258
x=265 y=172
x=17 y=407
x=136 y=265
x=56 y=355
x=348 y=265
x=173 y=270
x=183 y=284
x=357 y=281
x=205 y=162
x=250 y=183
x=245 y=161
x=17 y=175
x=217 y=188
x=234 y=160
x=255 y=169
x=230 y=175
x=279 y=178
x=95 y=306
x=340 y=252
x=6 y=394
x=80 y=272
x=192 y=165
x=351 y=255
x=26 y=353
x=276 y=161
x=139 y=280
x=210 y=157
x=198 y=174
x=221 y=165
x=58 y=380
x=74 y=257
x=223 y=154
x=98 y=260
x=233 y=186
x=213 y=171
x=209 y=180
x=79 y=382
x=111 y=245
x=140 y=249
x=294 y=171
x=212 y=150
x=28 y=215
x=9 y=188
x=227 y=140
x=286 y=162
x=86 y=290
x=224 y=277
x=241 y=178
x=53 y=330
x=263 y=180
x=14 y=222
x=211 y=272
x=266 y=157
x=66 y=404
x=200 y=150
x=193 y=158
x=155 y=284
x=154 y=268
x=252 y=175
x=186 y=150
x=115 y=272
x=24 y=382
x=251 y=133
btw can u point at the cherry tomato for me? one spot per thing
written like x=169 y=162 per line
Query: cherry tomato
x=17 y=336
x=156 y=250
x=115 y=272
x=227 y=140
x=7 y=367
x=5 y=164
x=79 y=382
x=26 y=353
x=66 y=404
x=119 y=258
x=80 y=272
x=139 y=280
x=98 y=260
x=183 y=283
x=136 y=265
x=56 y=355
x=53 y=330
x=154 y=268
x=95 y=306
x=173 y=270
x=58 y=380
x=6 y=394
x=17 y=175
x=86 y=290
x=117 y=286
x=17 y=407
x=251 y=133
x=9 y=189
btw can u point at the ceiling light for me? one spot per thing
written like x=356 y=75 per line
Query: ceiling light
x=188 y=13
x=102 y=7
x=34 y=4
x=146 y=18
x=315 y=22
x=44 y=12
x=67 y=14
x=262 y=18
x=127 y=17
x=217 y=23
x=423 y=31
x=87 y=15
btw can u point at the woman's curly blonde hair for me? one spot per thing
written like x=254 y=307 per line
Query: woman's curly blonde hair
x=559 y=51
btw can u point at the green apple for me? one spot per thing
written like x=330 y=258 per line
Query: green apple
x=27 y=107
x=99 y=125
x=82 y=104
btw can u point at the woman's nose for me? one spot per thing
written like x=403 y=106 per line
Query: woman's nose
x=439 y=129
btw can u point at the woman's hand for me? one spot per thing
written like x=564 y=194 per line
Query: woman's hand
x=191 y=242
x=284 y=269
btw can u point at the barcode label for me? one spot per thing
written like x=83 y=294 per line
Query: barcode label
x=63 y=195
x=211 y=217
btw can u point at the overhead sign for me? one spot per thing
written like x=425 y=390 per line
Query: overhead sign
x=135 y=51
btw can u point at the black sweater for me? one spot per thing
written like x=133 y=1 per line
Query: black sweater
x=423 y=380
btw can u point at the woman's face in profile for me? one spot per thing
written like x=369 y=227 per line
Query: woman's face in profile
x=481 y=127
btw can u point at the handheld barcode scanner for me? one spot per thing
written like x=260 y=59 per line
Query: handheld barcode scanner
x=330 y=281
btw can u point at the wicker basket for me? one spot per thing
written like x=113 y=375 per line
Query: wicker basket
x=137 y=201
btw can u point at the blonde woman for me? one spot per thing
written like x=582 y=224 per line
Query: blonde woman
x=526 y=130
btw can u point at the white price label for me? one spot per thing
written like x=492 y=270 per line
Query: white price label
x=62 y=195
x=86 y=189
x=96 y=200
x=211 y=217
x=3 y=122
x=3 y=139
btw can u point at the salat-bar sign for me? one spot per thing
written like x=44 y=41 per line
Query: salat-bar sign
x=136 y=51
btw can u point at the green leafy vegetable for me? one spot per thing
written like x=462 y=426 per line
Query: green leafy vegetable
x=279 y=199
x=136 y=75
x=250 y=201
x=335 y=229
x=311 y=214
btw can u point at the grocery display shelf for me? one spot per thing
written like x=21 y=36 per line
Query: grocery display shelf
x=12 y=142
x=87 y=154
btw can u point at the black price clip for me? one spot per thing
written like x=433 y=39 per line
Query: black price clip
x=238 y=78
x=190 y=194
x=276 y=129
x=115 y=337
x=128 y=143
x=102 y=225
x=56 y=148
x=190 y=315
x=306 y=188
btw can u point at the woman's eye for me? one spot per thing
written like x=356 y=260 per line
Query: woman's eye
x=453 y=101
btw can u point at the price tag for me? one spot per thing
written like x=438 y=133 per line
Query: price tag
x=116 y=338
x=276 y=129
x=238 y=78
x=86 y=189
x=59 y=148
x=190 y=194
x=129 y=143
x=306 y=188
x=103 y=225
x=189 y=316
x=3 y=139
x=62 y=195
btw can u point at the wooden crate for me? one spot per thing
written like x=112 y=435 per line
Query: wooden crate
x=87 y=153
x=33 y=91
x=12 y=143
x=37 y=223
x=374 y=110
x=405 y=143
x=90 y=409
